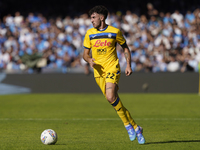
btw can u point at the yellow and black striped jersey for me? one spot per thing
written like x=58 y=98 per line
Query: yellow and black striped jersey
x=103 y=45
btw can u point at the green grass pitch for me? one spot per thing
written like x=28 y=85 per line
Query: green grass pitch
x=88 y=122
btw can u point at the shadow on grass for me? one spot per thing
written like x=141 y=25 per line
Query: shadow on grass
x=173 y=141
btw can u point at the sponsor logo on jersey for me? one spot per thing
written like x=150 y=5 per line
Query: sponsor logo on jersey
x=101 y=51
x=99 y=43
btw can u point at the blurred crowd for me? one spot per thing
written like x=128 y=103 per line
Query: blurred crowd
x=158 y=41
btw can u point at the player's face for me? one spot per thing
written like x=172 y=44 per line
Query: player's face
x=96 y=21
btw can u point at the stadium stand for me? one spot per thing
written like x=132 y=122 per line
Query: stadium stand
x=160 y=41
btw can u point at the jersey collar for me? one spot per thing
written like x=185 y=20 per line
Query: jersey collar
x=104 y=28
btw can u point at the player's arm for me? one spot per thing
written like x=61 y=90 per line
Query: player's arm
x=87 y=58
x=121 y=40
x=127 y=55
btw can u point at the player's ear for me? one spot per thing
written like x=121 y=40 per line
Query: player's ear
x=101 y=17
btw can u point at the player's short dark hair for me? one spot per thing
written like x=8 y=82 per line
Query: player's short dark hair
x=100 y=9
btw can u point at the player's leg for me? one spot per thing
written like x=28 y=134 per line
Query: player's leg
x=131 y=119
x=132 y=128
x=112 y=80
x=101 y=82
x=117 y=104
x=114 y=100
x=138 y=129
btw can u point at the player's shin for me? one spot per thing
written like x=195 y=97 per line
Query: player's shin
x=130 y=119
x=124 y=115
x=121 y=111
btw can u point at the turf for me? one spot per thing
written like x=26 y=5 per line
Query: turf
x=88 y=122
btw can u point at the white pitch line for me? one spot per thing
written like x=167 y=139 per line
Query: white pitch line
x=97 y=119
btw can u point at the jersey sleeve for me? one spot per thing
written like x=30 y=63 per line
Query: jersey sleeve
x=86 y=42
x=120 y=38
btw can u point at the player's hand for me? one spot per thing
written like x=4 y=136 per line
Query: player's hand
x=128 y=71
x=91 y=62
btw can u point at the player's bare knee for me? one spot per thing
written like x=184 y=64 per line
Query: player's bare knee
x=111 y=98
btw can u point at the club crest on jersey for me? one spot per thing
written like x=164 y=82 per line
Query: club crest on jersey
x=109 y=35
x=102 y=43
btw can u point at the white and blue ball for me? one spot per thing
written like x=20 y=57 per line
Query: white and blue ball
x=49 y=137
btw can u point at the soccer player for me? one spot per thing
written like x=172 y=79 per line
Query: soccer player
x=102 y=41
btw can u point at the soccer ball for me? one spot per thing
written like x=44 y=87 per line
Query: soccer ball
x=48 y=137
